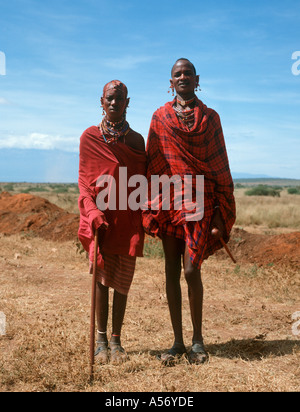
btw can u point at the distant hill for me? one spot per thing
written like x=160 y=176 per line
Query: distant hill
x=271 y=181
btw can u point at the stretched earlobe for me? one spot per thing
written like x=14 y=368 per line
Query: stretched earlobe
x=197 y=84
x=101 y=104
x=172 y=88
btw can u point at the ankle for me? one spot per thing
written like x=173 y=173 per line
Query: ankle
x=102 y=337
x=115 y=339
x=178 y=342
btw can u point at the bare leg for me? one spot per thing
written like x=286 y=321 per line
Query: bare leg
x=102 y=310
x=118 y=354
x=119 y=308
x=101 y=354
x=195 y=293
x=173 y=250
x=197 y=354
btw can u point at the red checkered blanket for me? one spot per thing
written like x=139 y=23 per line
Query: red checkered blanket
x=173 y=150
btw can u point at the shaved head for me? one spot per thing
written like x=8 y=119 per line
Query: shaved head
x=186 y=60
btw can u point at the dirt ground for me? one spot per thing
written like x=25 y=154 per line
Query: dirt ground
x=249 y=332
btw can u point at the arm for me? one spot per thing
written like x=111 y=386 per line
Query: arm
x=224 y=212
x=87 y=200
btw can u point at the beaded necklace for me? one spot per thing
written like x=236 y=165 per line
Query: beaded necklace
x=185 y=103
x=114 y=132
x=186 y=116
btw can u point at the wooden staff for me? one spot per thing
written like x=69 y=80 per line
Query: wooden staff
x=93 y=310
x=216 y=233
x=227 y=250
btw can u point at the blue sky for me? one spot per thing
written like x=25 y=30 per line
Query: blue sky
x=60 y=53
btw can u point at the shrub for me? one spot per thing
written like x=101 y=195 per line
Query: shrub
x=263 y=190
x=35 y=189
x=9 y=187
x=294 y=190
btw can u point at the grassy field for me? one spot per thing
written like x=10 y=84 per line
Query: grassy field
x=266 y=212
x=248 y=326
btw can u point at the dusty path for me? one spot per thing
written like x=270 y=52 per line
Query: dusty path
x=253 y=342
x=44 y=292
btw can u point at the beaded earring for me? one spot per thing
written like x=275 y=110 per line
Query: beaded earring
x=172 y=88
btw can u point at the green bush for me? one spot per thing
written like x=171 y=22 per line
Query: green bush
x=263 y=190
x=35 y=189
x=59 y=187
x=294 y=190
x=9 y=187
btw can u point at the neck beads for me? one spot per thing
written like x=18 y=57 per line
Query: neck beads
x=114 y=132
x=187 y=116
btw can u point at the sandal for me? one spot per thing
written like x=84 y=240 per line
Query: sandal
x=118 y=354
x=198 y=354
x=176 y=352
x=101 y=354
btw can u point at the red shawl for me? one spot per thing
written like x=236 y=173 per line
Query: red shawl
x=124 y=234
x=173 y=150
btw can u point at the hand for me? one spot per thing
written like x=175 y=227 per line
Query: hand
x=101 y=235
x=217 y=225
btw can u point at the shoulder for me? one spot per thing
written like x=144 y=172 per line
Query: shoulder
x=162 y=109
x=90 y=131
x=89 y=138
x=135 y=140
x=210 y=113
x=160 y=114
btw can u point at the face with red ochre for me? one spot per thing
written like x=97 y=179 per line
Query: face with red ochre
x=114 y=102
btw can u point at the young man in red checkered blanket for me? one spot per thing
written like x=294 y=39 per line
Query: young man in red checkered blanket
x=186 y=139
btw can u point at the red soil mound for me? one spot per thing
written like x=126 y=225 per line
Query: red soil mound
x=264 y=250
x=28 y=213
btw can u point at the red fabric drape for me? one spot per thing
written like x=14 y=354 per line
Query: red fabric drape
x=124 y=234
x=174 y=150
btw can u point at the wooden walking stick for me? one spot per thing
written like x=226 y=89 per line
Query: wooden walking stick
x=227 y=250
x=215 y=232
x=93 y=309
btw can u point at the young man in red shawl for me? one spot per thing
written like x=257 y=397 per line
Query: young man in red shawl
x=104 y=149
x=186 y=138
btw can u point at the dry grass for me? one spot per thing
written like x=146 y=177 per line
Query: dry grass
x=45 y=294
x=263 y=211
x=271 y=212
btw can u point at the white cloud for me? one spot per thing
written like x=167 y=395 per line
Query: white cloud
x=39 y=141
x=4 y=101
